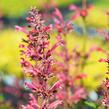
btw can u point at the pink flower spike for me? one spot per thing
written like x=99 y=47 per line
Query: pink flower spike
x=21 y=29
x=73 y=7
x=103 y=60
x=55 y=104
x=37 y=61
x=58 y=14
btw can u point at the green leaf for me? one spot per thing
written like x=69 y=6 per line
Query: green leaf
x=91 y=104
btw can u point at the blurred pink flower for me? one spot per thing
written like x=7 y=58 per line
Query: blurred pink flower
x=79 y=11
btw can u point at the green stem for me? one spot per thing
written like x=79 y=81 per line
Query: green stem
x=84 y=4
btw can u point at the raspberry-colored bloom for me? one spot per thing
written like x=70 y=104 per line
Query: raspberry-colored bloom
x=70 y=93
x=105 y=90
x=37 y=61
x=79 y=12
x=62 y=27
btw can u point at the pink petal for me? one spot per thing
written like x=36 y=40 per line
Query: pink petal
x=96 y=48
x=81 y=76
x=58 y=14
x=56 y=20
x=28 y=19
x=21 y=46
x=44 y=105
x=75 y=16
x=103 y=60
x=73 y=7
x=55 y=104
x=78 y=95
x=21 y=29
x=62 y=76
x=53 y=48
x=56 y=45
x=33 y=101
x=103 y=33
x=59 y=38
x=61 y=64
x=62 y=95
x=31 y=86
x=57 y=85
x=48 y=28
x=33 y=104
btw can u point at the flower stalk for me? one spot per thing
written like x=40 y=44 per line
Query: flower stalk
x=37 y=62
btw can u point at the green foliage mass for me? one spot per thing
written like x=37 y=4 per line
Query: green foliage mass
x=17 y=8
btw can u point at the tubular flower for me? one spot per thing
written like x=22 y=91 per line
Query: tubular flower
x=61 y=26
x=105 y=88
x=105 y=85
x=71 y=93
x=37 y=61
x=83 y=12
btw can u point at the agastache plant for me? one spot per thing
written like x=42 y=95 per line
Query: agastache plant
x=37 y=62
x=71 y=92
x=105 y=83
x=71 y=62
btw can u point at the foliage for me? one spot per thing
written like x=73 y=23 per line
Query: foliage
x=9 y=54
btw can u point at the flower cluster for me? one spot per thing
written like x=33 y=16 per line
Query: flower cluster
x=60 y=25
x=105 y=85
x=71 y=93
x=37 y=62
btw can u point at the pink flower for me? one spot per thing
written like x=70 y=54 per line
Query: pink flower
x=21 y=29
x=78 y=95
x=55 y=104
x=32 y=103
x=62 y=27
x=58 y=14
x=104 y=34
x=81 y=76
x=79 y=12
x=104 y=60
x=37 y=61
x=105 y=91
x=57 y=85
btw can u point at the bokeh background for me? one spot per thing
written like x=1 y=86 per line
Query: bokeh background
x=14 y=12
